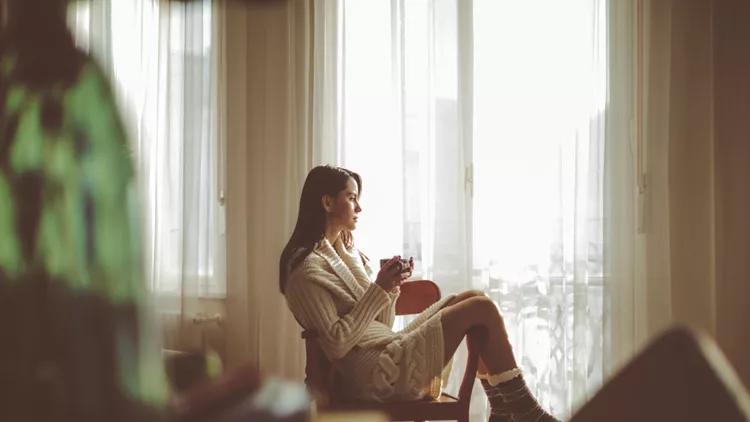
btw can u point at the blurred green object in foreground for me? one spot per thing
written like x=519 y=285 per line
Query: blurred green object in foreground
x=77 y=343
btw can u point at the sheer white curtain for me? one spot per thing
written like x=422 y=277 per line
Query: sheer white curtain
x=540 y=95
x=479 y=130
x=270 y=150
x=161 y=58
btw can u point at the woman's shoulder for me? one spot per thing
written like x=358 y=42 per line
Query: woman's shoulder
x=358 y=254
x=311 y=266
x=311 y=261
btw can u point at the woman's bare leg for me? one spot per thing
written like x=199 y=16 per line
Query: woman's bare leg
x=468 y=294
x=478 y=311
x=507 y=392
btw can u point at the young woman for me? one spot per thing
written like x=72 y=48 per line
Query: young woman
x=328 y=286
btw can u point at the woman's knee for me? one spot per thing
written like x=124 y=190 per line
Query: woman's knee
x=475 y=293
x=468 y=294
x=484 y=304
x=481 y=308
x=467 y=311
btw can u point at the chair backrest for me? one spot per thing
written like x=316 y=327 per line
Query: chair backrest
x=321 y=374
x=416 y=296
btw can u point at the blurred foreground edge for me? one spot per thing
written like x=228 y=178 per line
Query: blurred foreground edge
x=681 y=376
x=242 y=395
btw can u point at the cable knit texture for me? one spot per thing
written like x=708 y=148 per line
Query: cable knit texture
x=332 y=292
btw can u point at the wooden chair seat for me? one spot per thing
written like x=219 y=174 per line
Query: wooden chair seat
x=446 y=407
x=322 y=378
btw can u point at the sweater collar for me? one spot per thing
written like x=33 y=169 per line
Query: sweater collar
x=347 y=264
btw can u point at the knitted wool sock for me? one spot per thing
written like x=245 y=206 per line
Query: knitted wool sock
x=516 y=397
x=498 y=411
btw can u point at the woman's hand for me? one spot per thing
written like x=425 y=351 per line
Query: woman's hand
x=406 y=272
x=390 y=275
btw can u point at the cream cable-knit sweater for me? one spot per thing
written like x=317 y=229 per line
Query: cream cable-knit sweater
x=331 y=291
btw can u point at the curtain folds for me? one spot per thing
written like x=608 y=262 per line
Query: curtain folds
x=269 y=151
x=671 y=248
x=162 y=60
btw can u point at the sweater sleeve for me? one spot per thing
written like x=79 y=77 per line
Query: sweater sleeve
x=388 y=315
x=314 y=306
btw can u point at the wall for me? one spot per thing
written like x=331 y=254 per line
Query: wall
x=698 y=172
x=731 y=76
x=181 y=330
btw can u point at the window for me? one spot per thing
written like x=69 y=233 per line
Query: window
x=478 y=128
x=161 y=60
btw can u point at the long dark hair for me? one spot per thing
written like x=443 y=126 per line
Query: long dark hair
x=311 y=220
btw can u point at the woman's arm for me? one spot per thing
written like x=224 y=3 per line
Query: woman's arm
x=388 y=315
x=315 y=308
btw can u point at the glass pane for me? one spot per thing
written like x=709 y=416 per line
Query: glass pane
x=540 y=92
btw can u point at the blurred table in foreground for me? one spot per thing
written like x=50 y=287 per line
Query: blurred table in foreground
x=350 y=416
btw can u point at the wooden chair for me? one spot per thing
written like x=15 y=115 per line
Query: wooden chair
x=323 y=379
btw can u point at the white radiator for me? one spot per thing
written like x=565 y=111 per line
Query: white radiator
x=196 y=332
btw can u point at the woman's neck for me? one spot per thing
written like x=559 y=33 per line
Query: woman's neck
x=332 y=234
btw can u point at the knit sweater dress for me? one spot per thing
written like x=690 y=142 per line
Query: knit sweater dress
x=332 y=292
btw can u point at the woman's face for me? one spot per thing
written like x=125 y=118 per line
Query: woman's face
x=344 y=207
